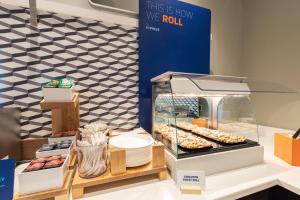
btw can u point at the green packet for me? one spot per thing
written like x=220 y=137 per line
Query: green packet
x=66 y=83
x=48 y=85
x=59 y=83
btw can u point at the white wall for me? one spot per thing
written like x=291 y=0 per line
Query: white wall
x=226 y=42
x=80 y=8
x=271 y=51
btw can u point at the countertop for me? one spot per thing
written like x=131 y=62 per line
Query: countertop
x=227 y=185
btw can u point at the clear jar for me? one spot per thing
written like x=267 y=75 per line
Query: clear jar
x=92 y=160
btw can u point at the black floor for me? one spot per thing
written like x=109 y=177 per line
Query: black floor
x=274 y=193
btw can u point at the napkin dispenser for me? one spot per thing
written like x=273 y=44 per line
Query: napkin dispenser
x=287 y=147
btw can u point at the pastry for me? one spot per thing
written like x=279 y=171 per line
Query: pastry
x=34 y=166
x=216 y=135
x=182 y=138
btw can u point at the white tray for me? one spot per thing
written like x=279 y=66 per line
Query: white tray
x=58 y=94
x=54 y=152
x=42 y=180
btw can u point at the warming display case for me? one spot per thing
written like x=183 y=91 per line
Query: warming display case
x=203 y=114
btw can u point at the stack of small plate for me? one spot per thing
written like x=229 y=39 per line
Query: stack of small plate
x=138 y=148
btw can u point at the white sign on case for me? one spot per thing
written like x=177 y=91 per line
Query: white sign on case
x=191 y=178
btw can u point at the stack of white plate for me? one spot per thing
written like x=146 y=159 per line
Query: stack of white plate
x=138 y=148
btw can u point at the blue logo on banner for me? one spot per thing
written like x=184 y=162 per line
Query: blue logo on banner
x=7 y=170
x=173 y=36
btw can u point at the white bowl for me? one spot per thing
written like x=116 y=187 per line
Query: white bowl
x=138 y=148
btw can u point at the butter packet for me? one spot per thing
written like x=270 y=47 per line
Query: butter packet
x=66 y=83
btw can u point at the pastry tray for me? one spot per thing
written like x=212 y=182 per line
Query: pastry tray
x=217 y=147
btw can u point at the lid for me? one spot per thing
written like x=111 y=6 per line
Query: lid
x=202 y=84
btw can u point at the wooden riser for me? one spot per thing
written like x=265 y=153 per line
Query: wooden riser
x=79 y=184
x=119 y=172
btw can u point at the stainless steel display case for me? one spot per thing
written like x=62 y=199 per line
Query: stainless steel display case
x=194 y=114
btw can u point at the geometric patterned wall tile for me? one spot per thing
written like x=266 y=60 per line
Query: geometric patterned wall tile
x=65 y=57
x=53 y=49
x=98 y=29
x=41 y=121
x=108 y=25
x=4 y=58
x=98 y=41
x=27 y=88
x=11 y=23
x=39 y=40
x=41 y=133
x=88 y=46
x=11 y=9
x=26 y=74
x=26 y=60
x=51 y=22
x=36 y=95
x=23 y=17
x=118 y=32
x=76 y=39
x=13 y=94
x=30 y=128
x=64 y=18
x=65 y=69
x=51 y=35
x=100 y=56
x=76 y=26
x=88 y=71
x=4 y=14
x=4 y=29
x=108 y=37
x=118 y=44
x=87 y=22
x=65 y=44
x=4 y=87
x=11 y=37
x=64 y=31
x=87 y=34
x=77 y=64
x=24 y=31
x=41 y=68
x=53 y=61
x=76 y=51
x=27 y=101
x=108 y=48
x=12 y=80
x=25 y=46
x=40 y=27
x=4 y=73
x=4 y=43
x=13 y=66
x=40 y=54
x=12 y=52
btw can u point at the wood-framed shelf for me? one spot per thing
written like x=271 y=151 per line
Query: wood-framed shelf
x=80 y=183
x=156 y=166
x=65 y=115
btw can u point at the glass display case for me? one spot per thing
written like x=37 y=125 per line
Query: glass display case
x=195 y=114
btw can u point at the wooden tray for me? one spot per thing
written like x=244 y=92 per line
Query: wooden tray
x=156 y=166
x=57 y=194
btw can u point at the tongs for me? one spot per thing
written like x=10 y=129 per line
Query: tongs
x=296 y=135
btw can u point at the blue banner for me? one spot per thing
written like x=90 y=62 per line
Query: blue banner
x=173 y=36
x=7 y=171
